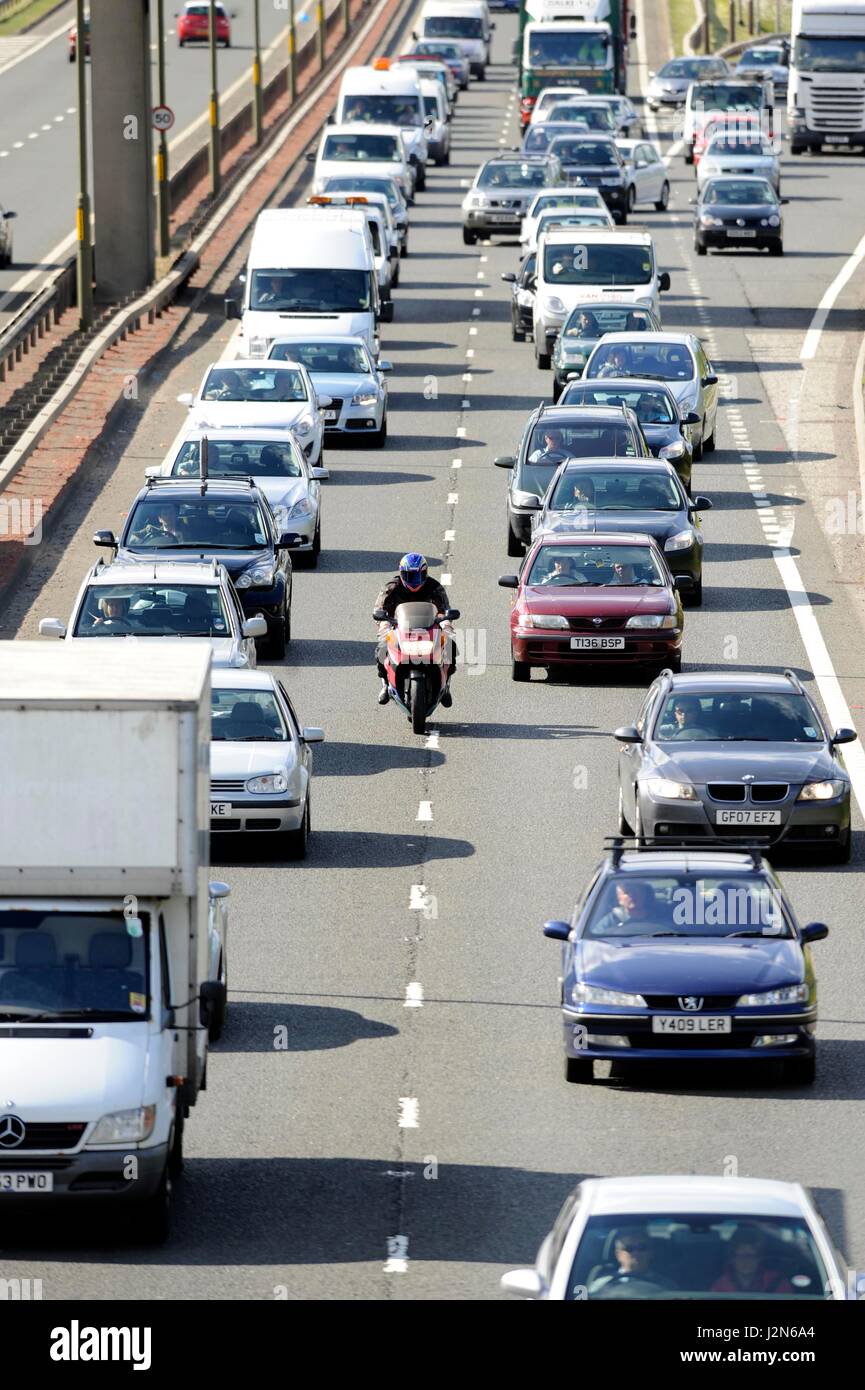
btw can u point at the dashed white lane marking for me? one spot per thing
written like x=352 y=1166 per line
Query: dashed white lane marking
x=413 y=996
x=447 y=579
x=457 y=463
x=827 y=303
x=476 y=313
x=479 y=294
x=424 y=811
x=47 y=127
x=70 y=110
x=417 y=899
x=450 y=535
x=473 y=332
x=483 y=258
x=461 y=432
x=4 y=154
x=409 y=1112
x=467 y=376
x=467 y=405
x=397 y=1255
x=453 y=498
x=18 y=145
x=34 y=135
x=58 y=119
x=480 y=275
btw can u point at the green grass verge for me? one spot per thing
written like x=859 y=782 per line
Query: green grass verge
x=683 y=16
x=28 y=15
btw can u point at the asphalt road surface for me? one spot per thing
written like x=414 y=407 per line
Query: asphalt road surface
x=417 y=1152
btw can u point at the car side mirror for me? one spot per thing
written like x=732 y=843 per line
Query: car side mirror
x=692 y=418
x=311 y=156
x=105 y=538
x=683 y=582
x=381 y=615
x=509 y=277
x=385 y=365
x=386 y=311
x=843 y=736
x=700 y=504
x=312 y=735
x=629 y=733
x=212 y=996
x=557 y=931
x=9 y=215
x=51 y=627
x=217 y=889
x=664 y=280
x=153 y=471
x=509 y=581
x=231 y=308
x=710 y=380
x=185 y=398
x=452 y=614
x=651 y=74
x=504 y=461
x=784 y=201
x=254 y=627
x=523 y=1283
x=324 y=400
x=814 y=931
x=319 y=475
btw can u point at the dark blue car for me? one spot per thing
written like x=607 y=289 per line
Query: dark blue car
x=687 y=955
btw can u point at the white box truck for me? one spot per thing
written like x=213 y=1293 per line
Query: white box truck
x=112 y=940
x=826 y=85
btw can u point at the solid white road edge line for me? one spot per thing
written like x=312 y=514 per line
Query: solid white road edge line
x=827 y=303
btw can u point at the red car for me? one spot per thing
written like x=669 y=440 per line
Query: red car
x=193 y=25
x=739 y=124
x=583 y=599
x=73 y=39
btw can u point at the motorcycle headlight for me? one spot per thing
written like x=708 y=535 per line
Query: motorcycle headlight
x=124 y=1127
x=682 y=540
x=652 y=620
x=789 y=994
x=269 y=782
x=365 y=398
x=302 y=508
x=554 y=304
x=672 y=451
x=594 y=994
x=523 y=499
x=544 y=620
x=821 y=791
x=665 y=789
x=257 y=576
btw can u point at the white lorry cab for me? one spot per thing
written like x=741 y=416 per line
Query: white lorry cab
x=582 y=265
x=826 y=83
x=112 y=940
x=465 y=23
x=390 y=97
x=308 y=267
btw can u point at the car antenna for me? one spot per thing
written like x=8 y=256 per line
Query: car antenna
x=202 y=462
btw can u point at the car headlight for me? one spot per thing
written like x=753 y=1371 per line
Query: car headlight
x=544 y=620
x=652 y=620
x=260 y=576
x=707 y=220
x=594 y=994
x=789 y=994
x=575 y=354
x=774 y=220
x=476 y=200
x=258 y=347
x=821 y=791
x=523 y=499
x=665 y=789
x=611 y=183
x=304 y=425
x=682 y=540
x=365 y=398
x=269 y=782
x=302 y=508
x=554 y=304
x=672 y=451
x=124 y=1127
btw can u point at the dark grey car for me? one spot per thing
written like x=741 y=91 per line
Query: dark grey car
x=638 y=495
x=720 y=755
x=666 y=428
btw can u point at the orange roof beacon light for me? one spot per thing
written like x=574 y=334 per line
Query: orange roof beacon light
x=382 y=64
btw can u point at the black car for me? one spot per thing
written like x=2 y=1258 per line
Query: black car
x=522 y=296
x=597 y=161
x=553 y=434
x=666 y=429
x=645 y=497
x=720 y=754
x=229 y=521
x=739 y=212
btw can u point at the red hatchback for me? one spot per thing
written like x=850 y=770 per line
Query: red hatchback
x=193 y=25
x=584 y=599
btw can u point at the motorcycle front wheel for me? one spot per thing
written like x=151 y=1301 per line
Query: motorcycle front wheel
x=417 y=704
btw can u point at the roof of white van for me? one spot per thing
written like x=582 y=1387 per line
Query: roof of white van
x=361 y=127
x=341 y=240
x=452 y=6
x=41 y=672
x=635 y=236
x=398 y=80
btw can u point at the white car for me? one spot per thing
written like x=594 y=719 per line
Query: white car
x=375 y=150
x=361 y=184
x=648 y=173
x=713 y=1238
x=278 y=467
x=564 y=199
x=551 y=96
x=260 y=761
x=343 y=369
x=162 y=600
x=744 y=153
x=436 y=112
x=248 y=391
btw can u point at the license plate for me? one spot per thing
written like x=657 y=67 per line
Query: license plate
x=330 y=414
x=683 y=1023
x=731 y=817
x=739 y=233
x=502 y=216
x=597 y=644
x=837 y=139
x=220 y=808
x=26 y=1182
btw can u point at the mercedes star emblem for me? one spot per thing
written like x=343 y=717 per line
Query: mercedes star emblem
x=11 y=1132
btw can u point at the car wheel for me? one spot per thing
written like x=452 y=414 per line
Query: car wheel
x=631 y=200
x=558 y=388
x=175 y=1153
x=482 y=75
x=403 y=251
x=515 y=545
x=521 y=671
x=674 y=664
x=699 y=247
x=621 y=218
x=695 y=597
x=517 y=334
x=446 y=157
x=638 y=819
x=664 y=201
x=379 y=436
x=579 y=1069
x=699 y=450
x=801 y=1071
x=153 y=1216
x=689 y=156
x=469 y=238
x=624 y=827
x=297 y=841
x=542 y=361
x=709 y=445
x=276 y=639
x=840 y=852
x=778 y=249
x=421 y=178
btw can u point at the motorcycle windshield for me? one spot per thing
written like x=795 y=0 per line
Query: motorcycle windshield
x=415 y=615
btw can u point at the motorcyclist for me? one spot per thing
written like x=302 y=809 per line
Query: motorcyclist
x=412 y=584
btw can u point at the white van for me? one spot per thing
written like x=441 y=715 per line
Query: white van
x=309 y=266
x=582 y=265
x=378 y=151
x=439 y=137
x=391 y=97
x=382 y=249
x=464 y=22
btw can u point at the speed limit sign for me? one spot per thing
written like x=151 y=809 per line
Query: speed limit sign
x=163 y=118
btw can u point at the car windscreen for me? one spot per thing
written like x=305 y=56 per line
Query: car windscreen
x=249 y=384
x=558 y=48
x=453 y=26
x=240 y=458
x=597 y=263
x=582 y=439
x=564 y=200
x=358 y=184
x=234 y=524
x=763 y=58
x=724 y=96
x=596 y=566
x=650 y=407
x=587 y=217
x=728 y=716
x=682 y=67
x=686 y=904
x=318 y=291
x=360 y=145
x=539 y=137
x=246 y=716
x=666 y=361
x=738 y=193
x=705 y=1255
x=591 y=154
x=69 y=964
x=382 y=108
x=325 y=357
x=512 y=176
x=153 y=610
x=605 y=490
x=829 y=53
x=438 y=46
x=593 y=117
x=595 y=320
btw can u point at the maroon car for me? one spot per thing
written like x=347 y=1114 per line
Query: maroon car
x=583 y=599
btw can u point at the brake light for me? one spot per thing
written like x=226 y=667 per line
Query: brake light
x=526 y=103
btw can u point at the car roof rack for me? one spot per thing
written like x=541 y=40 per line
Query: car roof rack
x=753 y=846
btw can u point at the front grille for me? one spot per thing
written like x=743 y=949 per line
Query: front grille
x=227 y=784
x=698 y=1042
x=769 y=791
x=512 y=204
x=20 y=1164
x=726 y=791
x=336 y=404
x=589 y=625
x=47 y=1136
x=222 y=823
x=838 y=108
x=712 y=1003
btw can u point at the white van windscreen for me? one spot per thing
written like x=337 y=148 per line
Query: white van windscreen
x=348 y=145
x=600 y=264
x=382 y=108
x=317 y=291
x=453 y=26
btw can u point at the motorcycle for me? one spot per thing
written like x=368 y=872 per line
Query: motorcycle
x=418 y=657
